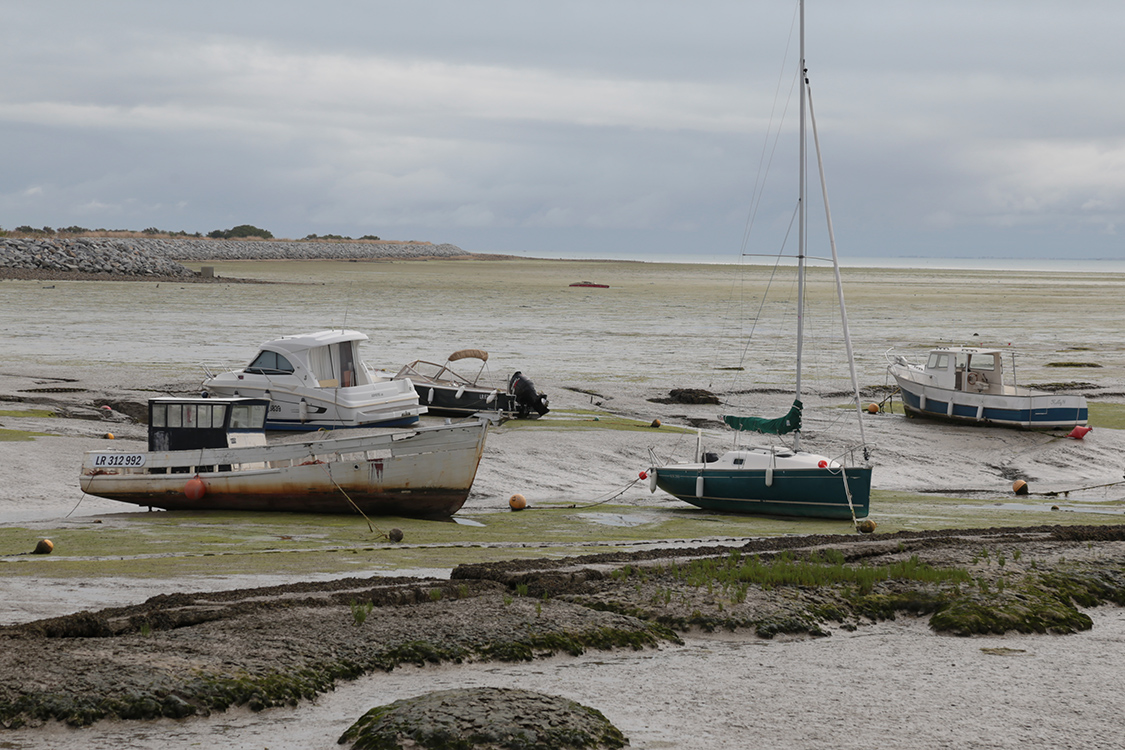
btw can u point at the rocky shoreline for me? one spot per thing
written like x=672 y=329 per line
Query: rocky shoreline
x=154 y=259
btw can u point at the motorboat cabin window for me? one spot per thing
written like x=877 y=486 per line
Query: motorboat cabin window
x=938 y=361
x=347 y=365
x=983 y=362
x=247 y=416
x=270 y=363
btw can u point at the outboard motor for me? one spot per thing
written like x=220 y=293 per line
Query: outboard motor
x=526 y=397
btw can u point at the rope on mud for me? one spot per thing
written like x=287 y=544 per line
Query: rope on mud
x=80 y=499
x=613 y=496
x=347 y=497
x=1065 y=493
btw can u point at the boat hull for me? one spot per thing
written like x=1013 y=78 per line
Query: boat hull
x=1029 y=410
x=424 y=474
x=455 y=401
x=804 y=493
x=388 y=404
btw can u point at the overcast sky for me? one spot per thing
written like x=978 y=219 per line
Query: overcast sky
x=600 y=128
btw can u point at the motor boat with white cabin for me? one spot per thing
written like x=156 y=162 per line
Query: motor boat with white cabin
x=968 y=384
x=317 y=381
x=213 y=454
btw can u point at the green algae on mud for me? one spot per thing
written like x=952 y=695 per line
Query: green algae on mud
x=1106 y=415
x=31 y=413
x=582 y=420
x=12 y=436
x=174 y=544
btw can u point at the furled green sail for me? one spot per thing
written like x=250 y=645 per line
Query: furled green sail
x=791 y=422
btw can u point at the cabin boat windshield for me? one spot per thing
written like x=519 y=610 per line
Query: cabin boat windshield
x=270 y=363
x=938 y=361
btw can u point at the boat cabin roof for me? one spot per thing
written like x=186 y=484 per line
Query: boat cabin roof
x=305 y=341
x=966 y=350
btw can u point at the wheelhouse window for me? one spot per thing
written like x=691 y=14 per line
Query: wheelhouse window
x=247 y=416
x=270 y=363
x=938 y=361
x=202 y=416
x=983 y=362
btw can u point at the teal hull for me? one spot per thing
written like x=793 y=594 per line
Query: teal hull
x=805 y=493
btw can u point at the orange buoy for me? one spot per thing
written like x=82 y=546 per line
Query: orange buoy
x=517 y=502
x=866 y=526
x=1020 y=487
x=873 y=408
x=195 y=488
x=44 y=547
x=655 y=423
x=109 y=436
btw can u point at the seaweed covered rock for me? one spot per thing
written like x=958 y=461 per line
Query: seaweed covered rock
x=688 y=396
x=484 y=718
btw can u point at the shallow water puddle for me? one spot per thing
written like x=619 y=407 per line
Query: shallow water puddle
x=617 y=519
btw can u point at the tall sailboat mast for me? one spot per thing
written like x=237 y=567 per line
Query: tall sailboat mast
x=801 y=239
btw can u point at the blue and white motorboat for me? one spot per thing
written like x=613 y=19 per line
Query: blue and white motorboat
x=968 y=384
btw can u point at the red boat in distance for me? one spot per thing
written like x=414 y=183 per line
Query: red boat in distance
x=590 y=284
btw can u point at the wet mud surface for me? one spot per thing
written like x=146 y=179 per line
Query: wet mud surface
x=187 y=654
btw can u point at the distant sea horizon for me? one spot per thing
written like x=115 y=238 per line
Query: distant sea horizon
x=1079 y=265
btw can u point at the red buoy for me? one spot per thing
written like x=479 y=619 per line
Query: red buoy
x=1079 y=432
x=822 y=464
x=195 y=488
x=643 y=475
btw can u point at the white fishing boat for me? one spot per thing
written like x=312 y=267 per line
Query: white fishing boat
x=317 y=381
x=968 y=384
x=448 y=392
x=781 y=479
x=212 y=454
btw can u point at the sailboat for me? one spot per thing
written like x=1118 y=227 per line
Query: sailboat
x=781 y=480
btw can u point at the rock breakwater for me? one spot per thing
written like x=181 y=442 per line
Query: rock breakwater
x=151 y=257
